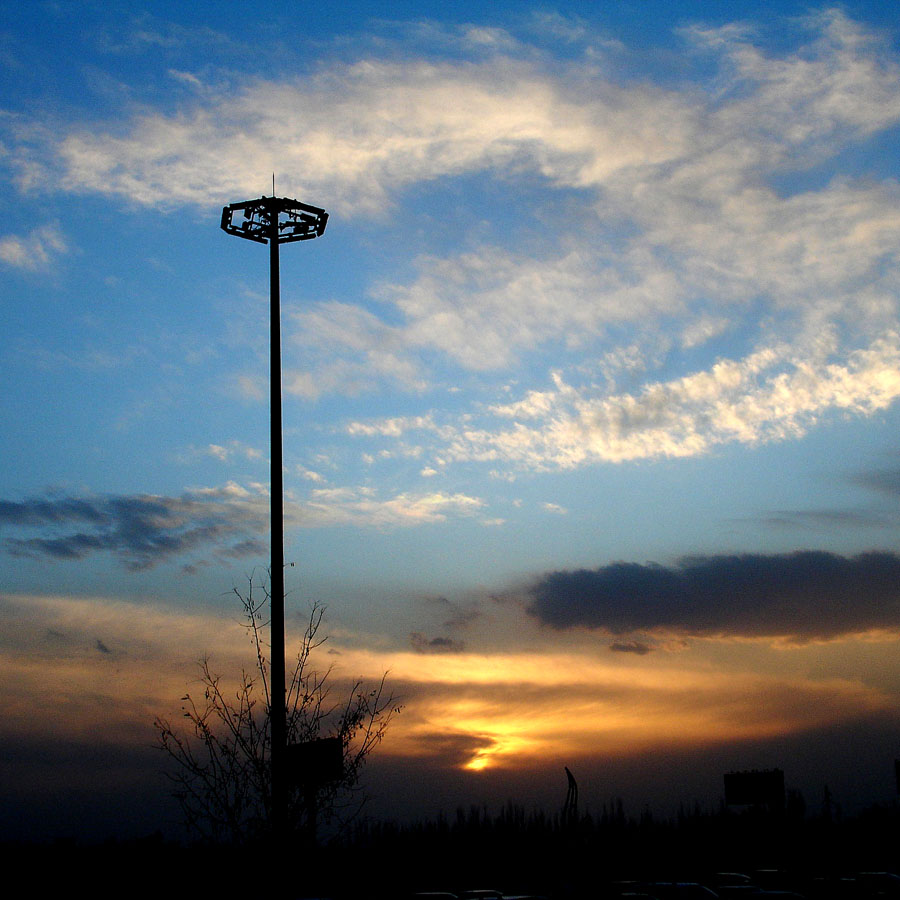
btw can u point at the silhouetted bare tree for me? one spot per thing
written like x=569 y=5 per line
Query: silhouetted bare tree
x=221 y=756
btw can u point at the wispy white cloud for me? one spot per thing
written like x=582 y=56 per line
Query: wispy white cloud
x=768 y=396
x=772 y=394
x=484 y=307
x=842 y=84
x=567 y=28
x=392 y=427
x=359 y=132
x=35 y=250
x=230 y=450
x=348 y=350
x=362 y=506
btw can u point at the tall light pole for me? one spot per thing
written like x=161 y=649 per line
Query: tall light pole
x=274 y=221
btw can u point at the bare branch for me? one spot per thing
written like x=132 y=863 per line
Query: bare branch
x=221 y=755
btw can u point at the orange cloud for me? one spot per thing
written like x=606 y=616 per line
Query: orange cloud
x=510 y=709
x=96 y=669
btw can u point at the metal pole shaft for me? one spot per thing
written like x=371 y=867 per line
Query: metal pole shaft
x=276 y=574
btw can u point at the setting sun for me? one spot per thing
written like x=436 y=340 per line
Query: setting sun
x=477 y=764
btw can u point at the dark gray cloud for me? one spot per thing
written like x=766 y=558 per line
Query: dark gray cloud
x=824 y=519
x=422 y=644
x=456 y=615
x=37 y=511
x=453 y=749
x=638 y=647
x=140 y=529
x=885 y=481
x=803 y=596
x=249 y=547
x=463 y=617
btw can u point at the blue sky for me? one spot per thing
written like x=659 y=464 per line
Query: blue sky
x=599 y=287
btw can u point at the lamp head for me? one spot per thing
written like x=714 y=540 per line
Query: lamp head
x=280 y=217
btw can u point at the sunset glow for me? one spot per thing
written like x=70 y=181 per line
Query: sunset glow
x=507 y=709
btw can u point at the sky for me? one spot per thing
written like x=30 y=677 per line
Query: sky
x=591 y=433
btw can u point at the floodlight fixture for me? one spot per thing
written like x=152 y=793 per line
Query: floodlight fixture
x=290 y=220
x=274 y=221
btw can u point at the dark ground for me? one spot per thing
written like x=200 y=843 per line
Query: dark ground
x=515 y=851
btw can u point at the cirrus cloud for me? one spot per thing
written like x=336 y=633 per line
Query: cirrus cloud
x=687 y=221
x=34 y=251
x=776 y=393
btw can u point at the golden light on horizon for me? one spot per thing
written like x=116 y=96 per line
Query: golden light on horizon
x=512 y=710
x=471 y=711
x=499 y=750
